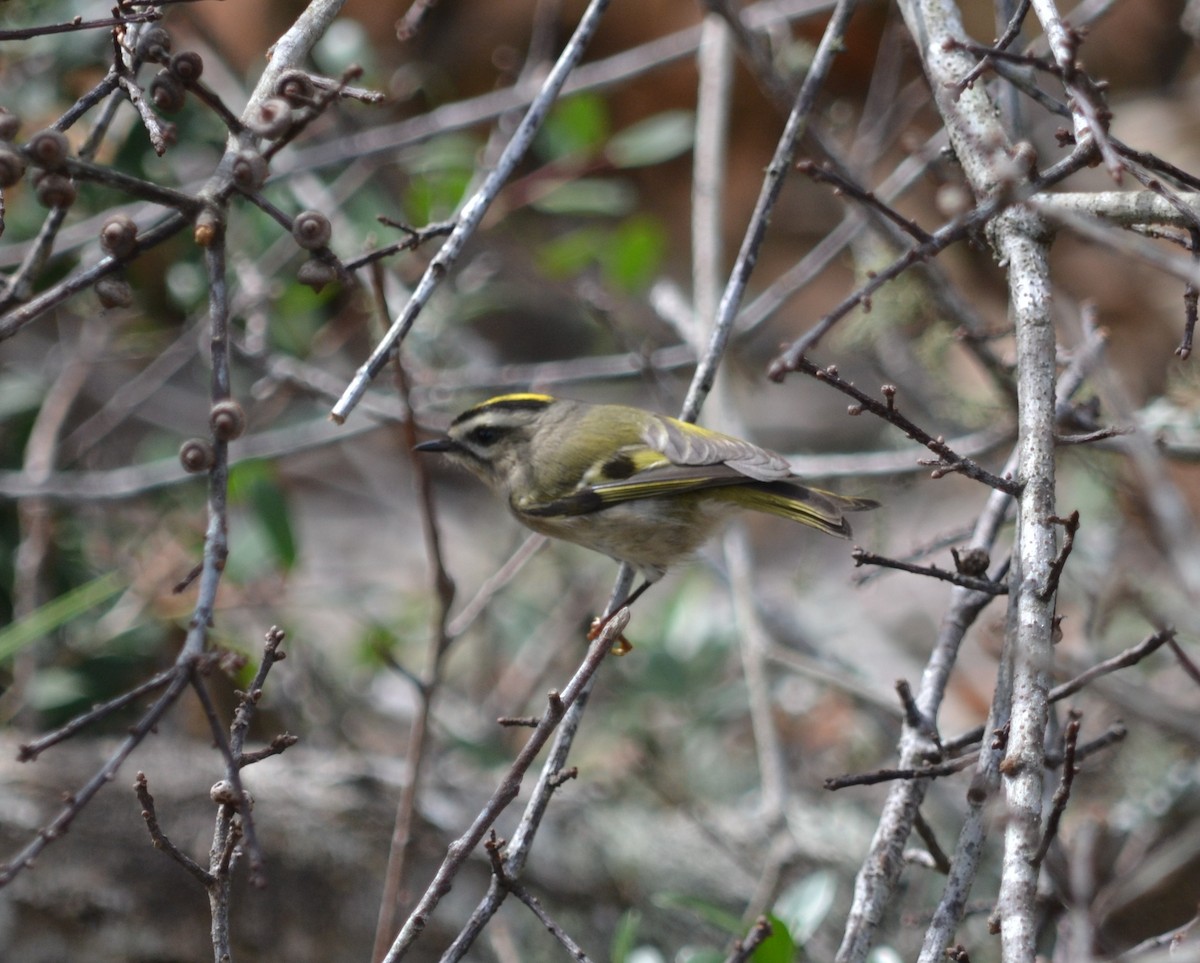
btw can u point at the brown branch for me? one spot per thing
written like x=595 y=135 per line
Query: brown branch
x=1070 y=525
x=29 y=751
x=974 y=583
x=1063 y=793
x=957 y=230
x=925 y=831
x=495 y=851
x=77 y=800
x=529 y=722
x=1185 y=662
x=78 y=23
x=416 y=236
x=247 y=705
x=280 y=744
x=161 y=840
x=743 y=949
x=843 y=185
x=1111 y=736
x=913 y=717
x=508 y=788
x=834 y=783
x=1122 y=660
x=1011 y=32
x=234 y=777
x=443 y=589
x=949 y=460
x=1086 y=438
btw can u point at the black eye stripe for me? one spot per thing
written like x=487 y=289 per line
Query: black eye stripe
x=486 y=435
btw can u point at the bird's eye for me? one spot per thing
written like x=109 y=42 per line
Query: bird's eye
x=485 y=435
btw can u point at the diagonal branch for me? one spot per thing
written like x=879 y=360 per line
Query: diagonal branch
x=472 y=212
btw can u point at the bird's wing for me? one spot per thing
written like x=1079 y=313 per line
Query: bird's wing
x=675 y=458
x=686 y=445
x=633 y=473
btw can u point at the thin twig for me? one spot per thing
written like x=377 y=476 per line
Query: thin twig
x=949 y=460
x=27 y=33
x=1011 y=32
x=957 y=230
x=862 y=557
x=868 y=198
x=1122 y=660
x=940 y=860
x=31 y=750
x=876 y=776
x=1058 y=804
x=832 y=41
x=743 y=949
x=1090 y=114
x=443 y=590
x=233 y=776
x=1185 y=661
x=473 y=210
x=1110 y=737
x=495 y=851
x=77 y=800
x=160 y=839
x=504 y=794
x=244 y=712
x=1070 y=526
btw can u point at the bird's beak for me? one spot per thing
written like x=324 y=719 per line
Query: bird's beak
x=436 y=444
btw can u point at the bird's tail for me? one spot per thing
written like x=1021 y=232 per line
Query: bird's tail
x=818 y=509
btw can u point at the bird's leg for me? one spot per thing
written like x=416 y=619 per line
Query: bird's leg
x=622 y=645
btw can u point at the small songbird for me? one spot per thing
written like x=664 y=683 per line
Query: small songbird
x=640 y=487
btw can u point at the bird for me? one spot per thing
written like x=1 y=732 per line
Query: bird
x=638 y=486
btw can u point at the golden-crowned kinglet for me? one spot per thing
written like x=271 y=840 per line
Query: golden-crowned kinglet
x=640 y=487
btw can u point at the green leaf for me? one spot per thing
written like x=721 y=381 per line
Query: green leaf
x=57 y=613
x=690 y=954
x=589 y=195
x=653 y=140
x=779 y=947
x=575 y=251
x=53 y=689
x=296 y=319
x=253 y=483
x=704 y=910
x=576 y=126
x=803 y=906
x=633 y=258
x=625 y=935
x=440 y=171
x=435 y=196
x=22 y=392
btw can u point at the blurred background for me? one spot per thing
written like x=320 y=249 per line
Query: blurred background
x=579 y=283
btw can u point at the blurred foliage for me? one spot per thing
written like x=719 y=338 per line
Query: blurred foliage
x=325 y=540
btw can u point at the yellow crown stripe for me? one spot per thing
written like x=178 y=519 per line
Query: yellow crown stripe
x=518 y=397
x=526 y=400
